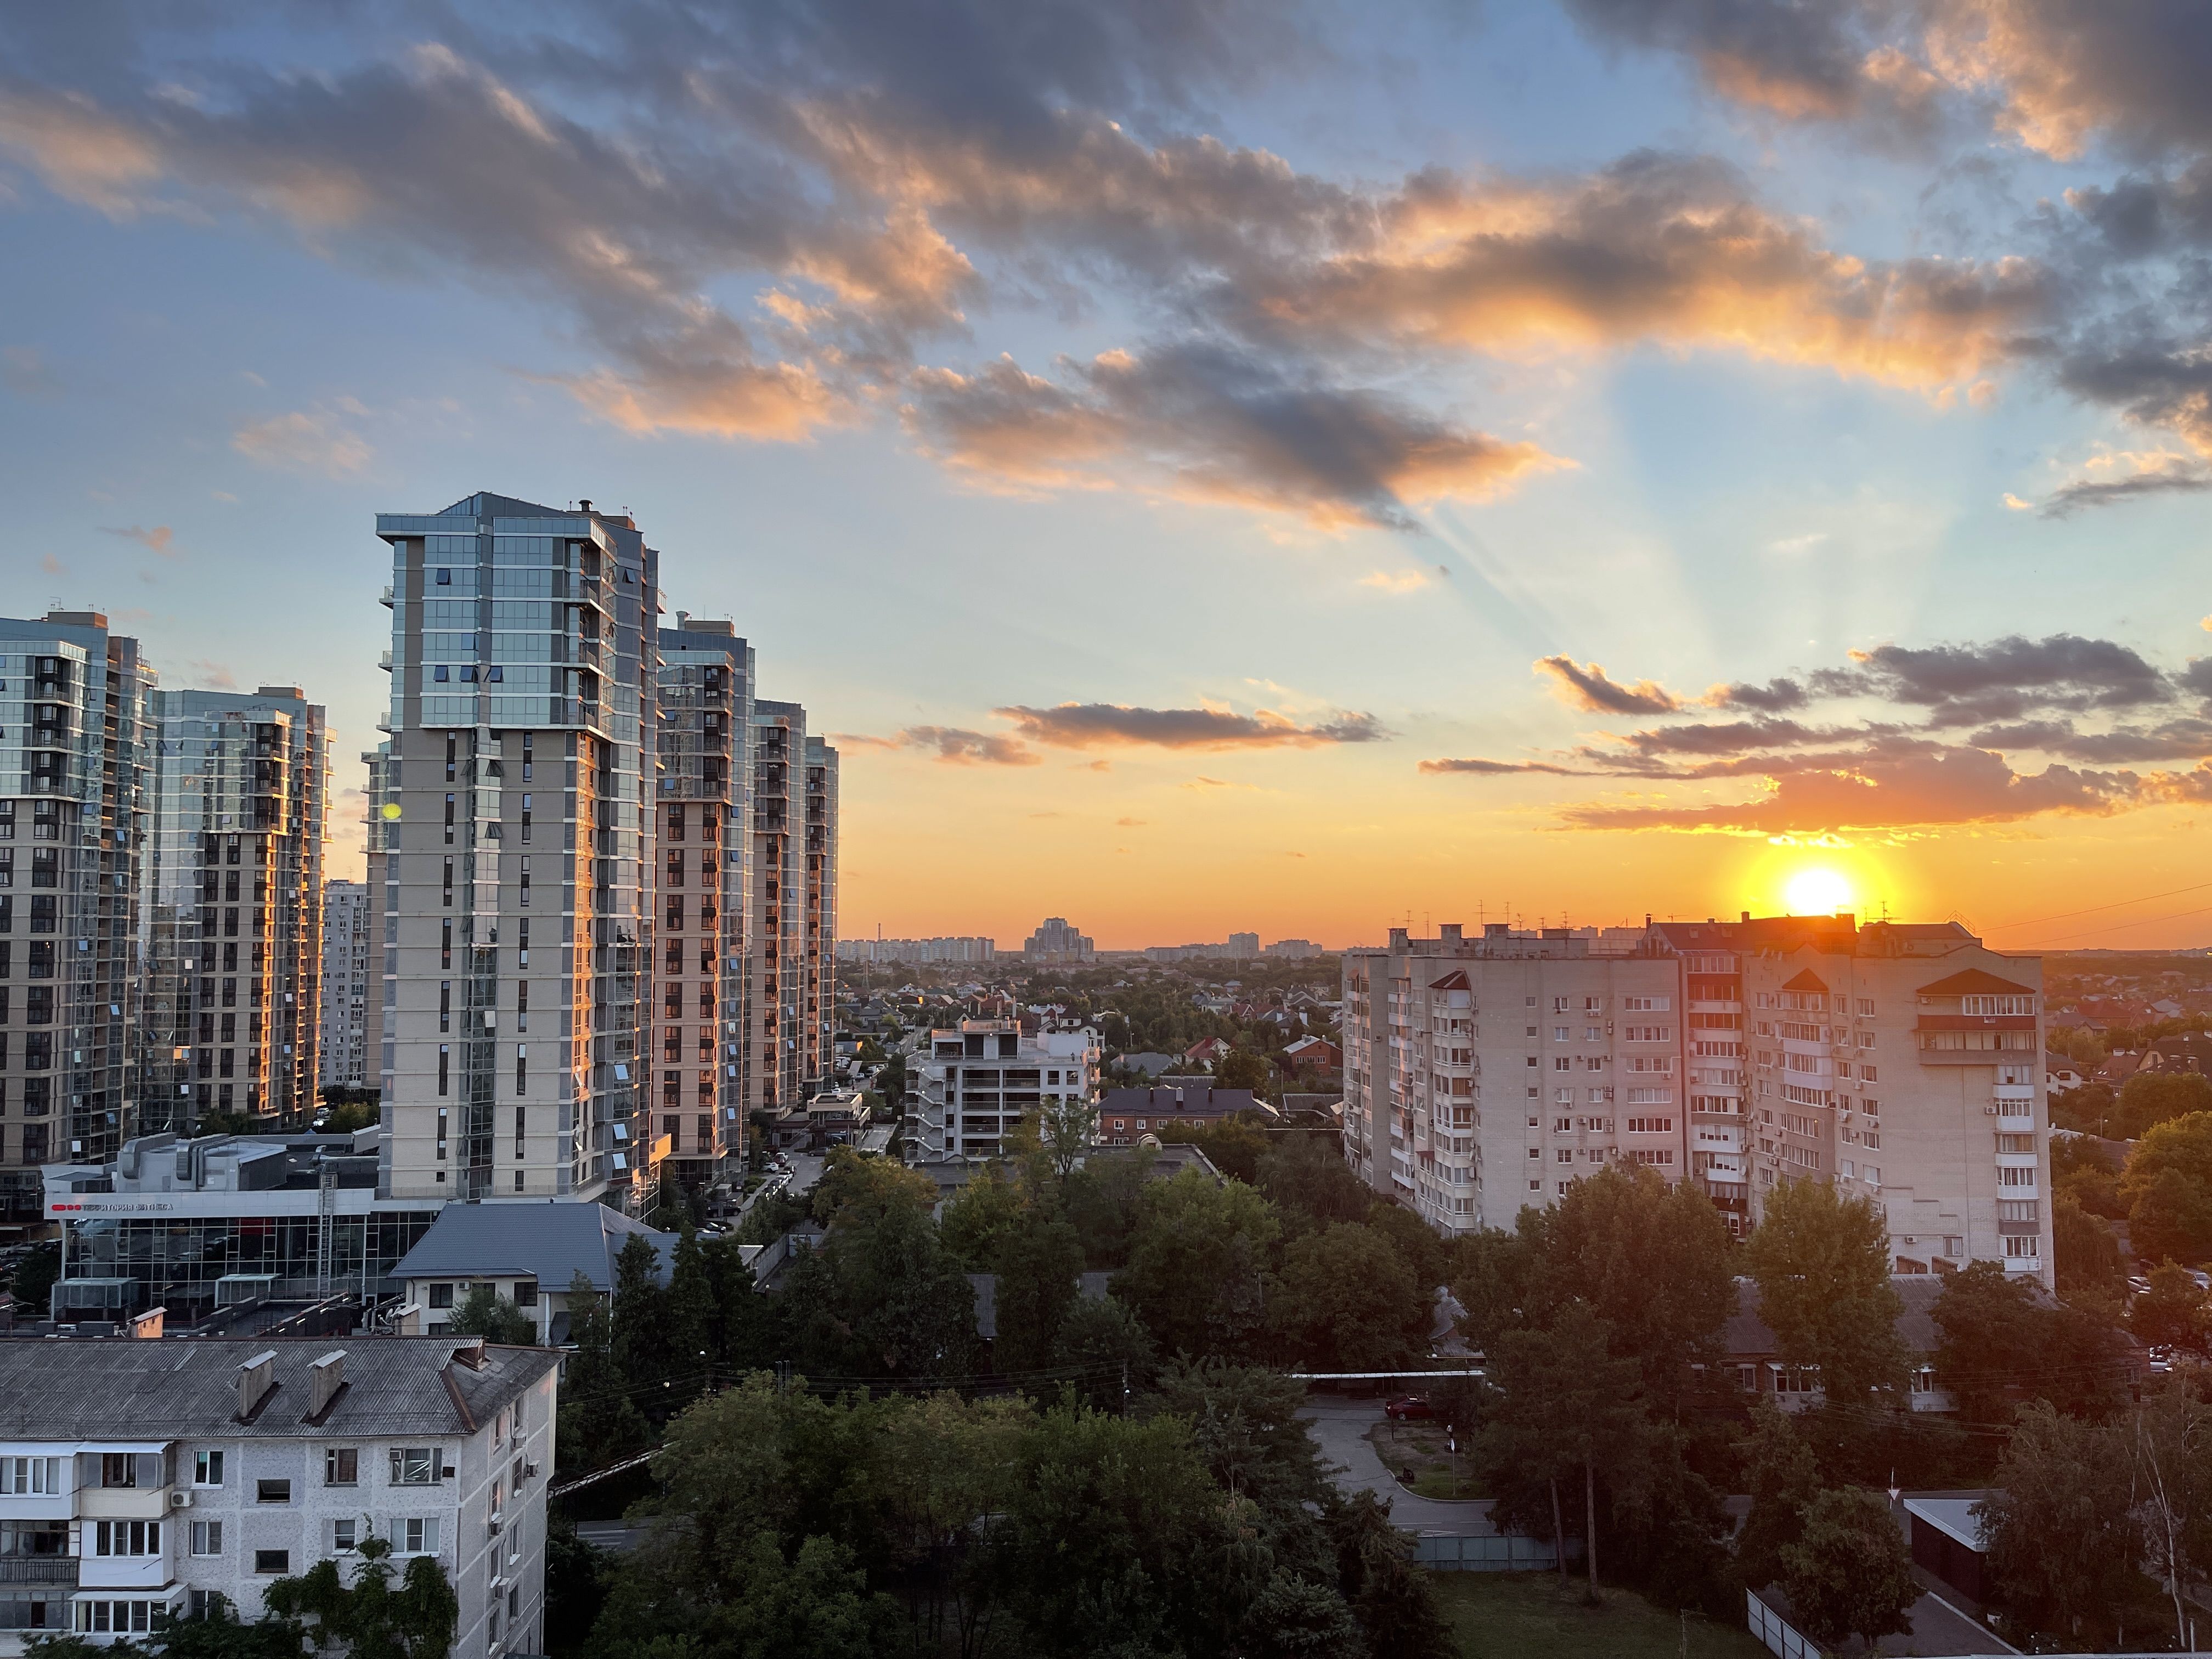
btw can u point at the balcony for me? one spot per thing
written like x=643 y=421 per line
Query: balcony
x=2016 y=1123
x=386 y=596
x=38 y=1570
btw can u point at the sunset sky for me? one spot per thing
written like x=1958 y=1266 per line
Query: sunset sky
x=1214 y=465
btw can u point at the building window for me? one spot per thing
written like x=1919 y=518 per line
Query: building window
x=416 y=1535
x=22 y=1475
x=341 y=1466
x=127 y=1538
x=441 y=1296
x=343 y=1536
x=526 y=1292
x=413 y=1466
x=272 y=1561
x=207 y=1538
x=272 y=1492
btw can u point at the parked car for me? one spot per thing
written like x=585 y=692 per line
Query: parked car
x=1407 y=1407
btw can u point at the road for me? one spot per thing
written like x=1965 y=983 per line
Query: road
x=1340 y=1428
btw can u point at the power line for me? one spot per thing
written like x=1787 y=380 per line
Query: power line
x=2116 y=904
x=2142 y=921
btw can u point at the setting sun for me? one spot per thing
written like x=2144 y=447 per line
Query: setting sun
x=1819 y=891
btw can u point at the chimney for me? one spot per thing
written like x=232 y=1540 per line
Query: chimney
x=256 y=1378
x=471 y=1354
x=325 y=1377
x=1746 y=916
x=1448 y=932
x=585 y=503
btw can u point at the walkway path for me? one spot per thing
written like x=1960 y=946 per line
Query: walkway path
x=1340 y=1428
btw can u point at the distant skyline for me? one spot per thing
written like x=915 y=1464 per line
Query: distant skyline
x=1215 y=465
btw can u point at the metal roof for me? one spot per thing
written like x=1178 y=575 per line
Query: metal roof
x=551 y=1242
x=120 y=1389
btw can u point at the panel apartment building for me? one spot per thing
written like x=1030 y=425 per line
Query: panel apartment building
x=705 y=825
x=74 y=760
x=818 y=1011
x=233 y=945
x=515 y=904
x=140 y=1480
x=977 y=1080
x=1901 y=1061
x=342 y=1047
x=1898 y=1060
x=1485 y=1074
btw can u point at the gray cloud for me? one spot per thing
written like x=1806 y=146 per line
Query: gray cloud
x=2178 y=479
x=1586 y=686
x=1488 y=769
x=2002 y=680
x=1777 y=696
x=963 y=747
x=1096 y=724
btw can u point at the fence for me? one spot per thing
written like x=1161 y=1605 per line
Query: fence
x=1772 y=1628
x=1495 y=1552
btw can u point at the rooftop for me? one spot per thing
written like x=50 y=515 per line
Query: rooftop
x=551 y=1241
x=122 y=1389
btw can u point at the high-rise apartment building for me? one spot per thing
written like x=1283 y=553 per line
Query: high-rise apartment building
x=705 y=828
x=346 y=984
x=1901 y=1061
x=232 y=941
x=73 y=777
x=1054 y=941
x=774 y=1069
x=952 y=949
x=515 y=907
x=1482 y=1075
x=818 y=1010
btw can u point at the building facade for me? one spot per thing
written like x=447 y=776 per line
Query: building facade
x=704 y=824
x=75 y=707
x=978 y=1080
x=1482 y=1075
x=1054 y=941
x=515 y=907
x=773 y=1068
x=343 y=1047
x=144 y=1478
x=817 y=1017
x=233 y=918
x=948 y=949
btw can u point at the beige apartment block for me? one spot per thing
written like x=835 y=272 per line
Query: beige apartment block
x=1484 y=1075
x=705 y=822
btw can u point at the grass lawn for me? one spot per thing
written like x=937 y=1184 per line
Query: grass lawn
x=1421 y=1447
x=1524 y=1615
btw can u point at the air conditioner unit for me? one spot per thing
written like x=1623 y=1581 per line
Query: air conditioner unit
x=180 y=1500
x=494 y=1526
x=530 y=1471
x=1989 y=1111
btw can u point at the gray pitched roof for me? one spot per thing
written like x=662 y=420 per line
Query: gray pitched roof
x=117 y=1389
x=552 y=1242
x=1747 y=1336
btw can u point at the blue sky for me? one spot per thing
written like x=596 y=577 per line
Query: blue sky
x=1707 y=343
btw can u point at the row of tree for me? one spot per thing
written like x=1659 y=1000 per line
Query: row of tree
x=1197 y=1520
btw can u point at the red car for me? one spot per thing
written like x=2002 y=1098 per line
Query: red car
x=1405 y=1407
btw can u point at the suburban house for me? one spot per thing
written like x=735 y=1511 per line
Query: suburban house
x=1204 y=1052
x=2189 y=1051
x=140 y=1478
x=1127 y=1114
x=1754 y=1353
x=529 y=1253
x=1317 y=1052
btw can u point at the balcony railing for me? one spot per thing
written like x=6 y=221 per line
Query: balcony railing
x=38 y=1570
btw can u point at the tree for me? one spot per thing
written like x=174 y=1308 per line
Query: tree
x=1241 y=1069
x=1653 y=1260
x=1306 y=1178
x=1107 y=1346
x=1297 y=1619
x=1850 y=1574
x=2059 y=1526
x=861 y=1185
x=1197 y=1264
x=35 y=1276
x=977 y=1218
x=2148 y=1098
x=600 y=1422
x=2170 y=1435
x=691 y=1318
x=484 y=1312
x=1416 y=1243
x=2078 y=1170
x=1065 y=1132
x=2172 y=1312
x=641 y=1333
x=1347 y=1300
x=743 y=1336
x=1565 y=1405
x=1103 y=1201
x=369 y=1617
x=2087 y=1251
x=1991 y=1340
x=2171 y=1216
x=881 y=1299
x=1822 y=1264
x=1244 y=1424
x=1038 y=1264
x=1783 y=1480
x=1388 y=1594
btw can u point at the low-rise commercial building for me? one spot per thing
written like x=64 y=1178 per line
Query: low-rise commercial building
x=142 y=1479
